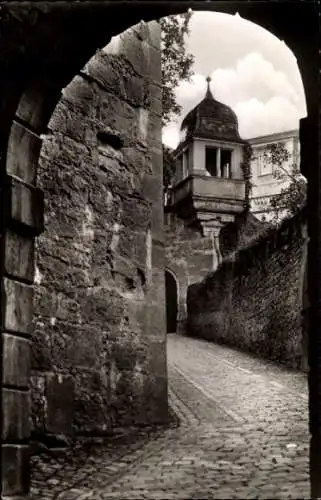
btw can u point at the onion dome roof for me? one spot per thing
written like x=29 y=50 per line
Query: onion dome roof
x=211 y=119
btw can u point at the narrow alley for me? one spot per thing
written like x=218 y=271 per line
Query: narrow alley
x=243 y=433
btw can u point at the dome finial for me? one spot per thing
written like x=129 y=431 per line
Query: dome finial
x=208 y=93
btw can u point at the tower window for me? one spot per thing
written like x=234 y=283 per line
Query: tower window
x=218 y=162
x=226 y=157
x=210 y=161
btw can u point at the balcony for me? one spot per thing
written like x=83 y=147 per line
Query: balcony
x=213 y=190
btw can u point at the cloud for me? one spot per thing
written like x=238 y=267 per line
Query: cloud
x=252 y=76
x=263 y=97
x=262 y=118
x=171 y=135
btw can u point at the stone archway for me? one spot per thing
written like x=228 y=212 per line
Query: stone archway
x=34 y=31
x=64 y=149
x=171 y=294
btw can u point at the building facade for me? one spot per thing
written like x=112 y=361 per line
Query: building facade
x=208 y=193
x=266 y=182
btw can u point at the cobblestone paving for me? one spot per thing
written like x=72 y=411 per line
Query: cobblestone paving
x=243 y=433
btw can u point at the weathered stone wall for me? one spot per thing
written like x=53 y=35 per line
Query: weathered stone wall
x=254 y=299
x=97 y=360
x=190 y=256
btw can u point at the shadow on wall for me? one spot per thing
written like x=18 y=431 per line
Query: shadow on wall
x=171 y=294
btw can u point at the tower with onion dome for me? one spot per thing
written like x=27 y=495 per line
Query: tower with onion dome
x=208 y=188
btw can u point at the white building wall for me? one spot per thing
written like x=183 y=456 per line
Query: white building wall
x=265 y=183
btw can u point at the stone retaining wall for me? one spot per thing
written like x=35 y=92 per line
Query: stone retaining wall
x=254 y=299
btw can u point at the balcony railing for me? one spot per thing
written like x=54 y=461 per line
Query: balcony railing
x=202 y=186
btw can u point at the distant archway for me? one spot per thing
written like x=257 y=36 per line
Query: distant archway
x=171 y=295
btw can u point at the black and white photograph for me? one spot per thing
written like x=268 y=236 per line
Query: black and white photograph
x=160 y=250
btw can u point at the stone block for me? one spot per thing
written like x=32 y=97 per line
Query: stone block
x=15 y=469
x=125 y=246
x=157 y=222
x=124 y=267
x=27 y=206
x=41 y=356
x=82 y=95
x=137 y=91
x=59 y=395
x=135 y=51
x=156 y=320
x=155 y=72
x=38 y=403
x=149 y=32
x=155 y=103
x=154 y=32
x=157 y=162
x=135 y=214
x=19 y=256
x=69 y=121
x=136 y=160
x=23 y=153
x=15 y=415
x=103 y=307
x=18 y=306
x=103 y=68
x=89 y=350
x=143 y=125
x=16 y=360
x=62 y=277
x=154 y=131
x=37 y=103
x=117 y=77
x=158 y=259
x=63 y=150
x=61 y=348
x=152 y=190
x=118 y=115
x=140 y=249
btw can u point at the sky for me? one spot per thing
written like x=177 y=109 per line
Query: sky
x=252 y=71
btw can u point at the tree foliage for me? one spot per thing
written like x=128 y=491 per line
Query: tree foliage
x=168 y=166
x=176 y=62
x=292 y=197
x=247 y=173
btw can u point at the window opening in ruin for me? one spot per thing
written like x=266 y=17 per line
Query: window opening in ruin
x=171 y=302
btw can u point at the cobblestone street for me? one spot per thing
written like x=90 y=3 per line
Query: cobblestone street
x=243 y=433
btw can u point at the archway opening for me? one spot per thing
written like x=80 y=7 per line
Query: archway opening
x=157 y=353
x=171 y=302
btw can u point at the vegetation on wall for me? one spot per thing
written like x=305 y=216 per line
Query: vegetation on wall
x=292 y=197
x=247 y=173
x=168 y=166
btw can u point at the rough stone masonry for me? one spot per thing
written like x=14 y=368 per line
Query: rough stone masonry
x=99 y=348
x=253 y=301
